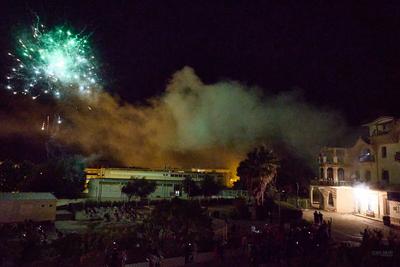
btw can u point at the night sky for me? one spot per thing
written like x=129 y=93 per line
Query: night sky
x=344 y=56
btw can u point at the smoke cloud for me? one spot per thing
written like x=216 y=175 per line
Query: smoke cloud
x=195 y=125
x=198 y=125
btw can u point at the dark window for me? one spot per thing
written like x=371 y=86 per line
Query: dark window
x=397 y=156
x=385 y=176
x=321 y=173
x=366 y=155
x=384 y=152
x=50 y=205
x=42 y=205
x=330 y=174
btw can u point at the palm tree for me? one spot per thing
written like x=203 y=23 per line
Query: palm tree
x=258 y=171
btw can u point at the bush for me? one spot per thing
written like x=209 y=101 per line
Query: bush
x=240 y=210
x=215 y=214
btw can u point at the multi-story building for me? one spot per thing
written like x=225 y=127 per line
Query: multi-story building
x=364 y=178
x=106 y=183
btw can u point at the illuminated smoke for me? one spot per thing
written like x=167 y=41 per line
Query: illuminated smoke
x=191 y=125
x=197 y=125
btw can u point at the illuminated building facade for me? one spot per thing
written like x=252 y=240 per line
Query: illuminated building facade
x=364 y=178
x=106 y=183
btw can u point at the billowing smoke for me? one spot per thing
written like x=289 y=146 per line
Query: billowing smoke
x=198 y=125
x=195 y=125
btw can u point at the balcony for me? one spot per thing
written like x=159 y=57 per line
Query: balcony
x=323 y=182
x=331 y=160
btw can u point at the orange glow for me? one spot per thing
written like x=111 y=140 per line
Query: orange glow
x=233 y=177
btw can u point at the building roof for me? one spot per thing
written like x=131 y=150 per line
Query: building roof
x=380 y=120
x=27 y=196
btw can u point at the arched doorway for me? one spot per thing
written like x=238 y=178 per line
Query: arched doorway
x=330 y=200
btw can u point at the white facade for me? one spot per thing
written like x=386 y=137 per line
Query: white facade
x=346 y=199
x=394 y=207
x=106 y=183
x=347 y=174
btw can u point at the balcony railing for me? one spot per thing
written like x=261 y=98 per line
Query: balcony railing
x=323 y=182
x=330 y=160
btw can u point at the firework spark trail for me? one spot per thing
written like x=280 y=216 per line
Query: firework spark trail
x=57 y=62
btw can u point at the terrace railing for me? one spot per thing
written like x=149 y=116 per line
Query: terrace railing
x=323 y=182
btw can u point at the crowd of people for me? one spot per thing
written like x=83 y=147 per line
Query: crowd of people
x=274 y=243
x=124 y=213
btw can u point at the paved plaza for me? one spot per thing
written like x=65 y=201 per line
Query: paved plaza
x=348 y=227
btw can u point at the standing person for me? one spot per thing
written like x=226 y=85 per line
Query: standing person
x=316 y=217
x=124 y=257
x=188 y=253
x=330 y=228
x=320 y=217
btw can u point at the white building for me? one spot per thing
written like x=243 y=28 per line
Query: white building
x=363 y=178
x=106 y=183
x=18 y=207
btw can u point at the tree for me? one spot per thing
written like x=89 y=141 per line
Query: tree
x=7 y=176
x=177 y=222
x=14 y=175
x=191 y=187
x=139 y=187
x=294 y=171
x=257 y=171
x=65 y=177
x=209 y=186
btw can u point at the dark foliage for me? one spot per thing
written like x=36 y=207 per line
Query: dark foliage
x=139 y=187
x=191 y=187
x=259 y=162
x=182 y=221
x=63 y=176
x=210 y=187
